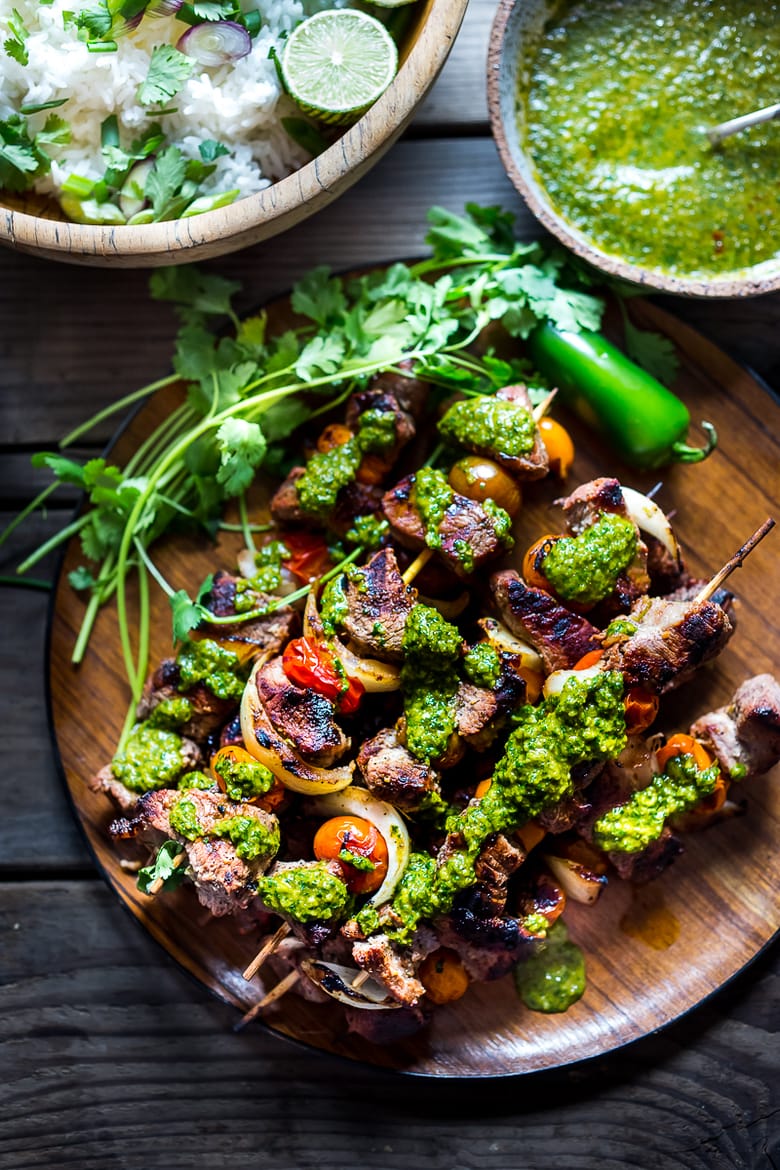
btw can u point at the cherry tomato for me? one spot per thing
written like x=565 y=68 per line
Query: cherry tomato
x=359 y=848
x=309 y=556
x=234 y=754
x=373 y=469
x=482 y=788
x=481 y=479
x=683 y=745
x=311 y=665
x=641 y=708
x=533 y=562
x=443 y=976
x=557 y=441
x=335 y=435
x=534 y=682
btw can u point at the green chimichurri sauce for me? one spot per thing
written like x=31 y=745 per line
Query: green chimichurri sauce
x=328 y=472
x=633 y=825
x=482 y=665
x=307 y=894
x=553 y=978
x=268 y=575
x=489 y=426
x=333 y=605
x=585 y=568
x=584 y=722
x=251 y=837
x=183 y=819
x=429 y=680
x=614 y=114
x=152 y=758
x=207 y=662
x=431 y=496
x=243 y=780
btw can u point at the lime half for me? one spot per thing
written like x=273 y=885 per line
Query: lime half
x=336 y=63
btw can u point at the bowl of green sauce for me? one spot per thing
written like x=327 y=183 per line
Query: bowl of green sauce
x=600 y=109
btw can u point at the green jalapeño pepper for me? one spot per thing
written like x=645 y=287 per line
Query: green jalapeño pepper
x=643 y=421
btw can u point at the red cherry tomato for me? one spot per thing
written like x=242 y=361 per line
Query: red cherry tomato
x=641 y=709
x=358 y=847
x=311 y=665
x=309 y=556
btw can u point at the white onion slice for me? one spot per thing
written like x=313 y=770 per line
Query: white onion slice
x=266 y=745
x=374 y=676
x=505 y=642
x=577 y=881
x=337 y=981
x=448 y=607
x=359 y=802
x=651 y=519
x=555 y=682
x=215 y=42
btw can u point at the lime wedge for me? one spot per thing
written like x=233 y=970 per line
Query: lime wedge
x=336 y=63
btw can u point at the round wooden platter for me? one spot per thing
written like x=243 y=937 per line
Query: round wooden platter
x=652 y=953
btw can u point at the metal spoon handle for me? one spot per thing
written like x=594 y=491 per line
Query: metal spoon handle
x=717 y=133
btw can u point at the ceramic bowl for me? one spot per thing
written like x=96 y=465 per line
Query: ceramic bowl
x=36 y=225
x=516 y=31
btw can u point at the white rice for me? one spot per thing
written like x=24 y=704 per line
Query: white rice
x=238 y=105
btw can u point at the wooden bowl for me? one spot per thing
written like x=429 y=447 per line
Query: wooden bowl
x=517 y=29
x=36 y=225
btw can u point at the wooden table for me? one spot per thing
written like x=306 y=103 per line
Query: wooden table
x=111 y=1057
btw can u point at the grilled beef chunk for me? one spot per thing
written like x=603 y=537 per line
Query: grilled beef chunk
x=123 y=797
x=650 y=862
x=269 y=633
x=746 y=733
x=666 y=572
x=224 y=882
x=209 y=714
x=355 y=499
x=533 y=464
x=497 y=861
x=671 y=640
x=306 y=719
x=560 y=636
x=394 y=967
x=393 y=774
x=378 y=604
x=488 y=946
x=466 y=529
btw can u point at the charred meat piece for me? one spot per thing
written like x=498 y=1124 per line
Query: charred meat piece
x=409 y=392
x=488 y=946
x=392 y=966
x=266 y=634
x=499 y=427
x=377 y=606
x=124 y=797
x=393 y=774
x=745 y=735
x=305 y=718
x=209 y=714
x=355 y=499
x=497 y=861
x=225 y=883
x=672 y=639
x=666 y=572
x=560 y=636
x=314 y=933
x=651 y=861
x=467 y=537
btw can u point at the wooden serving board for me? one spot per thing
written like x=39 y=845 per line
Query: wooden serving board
x=652 y=953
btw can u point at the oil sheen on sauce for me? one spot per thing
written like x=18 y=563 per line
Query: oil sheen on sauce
x=617 y=102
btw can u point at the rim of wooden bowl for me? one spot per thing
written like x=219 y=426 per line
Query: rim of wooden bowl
x=503 y=57
x=266 y=213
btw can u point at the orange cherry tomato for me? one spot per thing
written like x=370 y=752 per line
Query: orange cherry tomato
x=530 y=835
x=373 y=469
x=588 y=660
x=641 y=708
x=443 y=976
x=482 y=479
x=335 y=435
x=482 y=788
x=557 y=441
x=533 y=563
x=232 y=756
x=683 y=745
x=358 y=847
x=534 y=683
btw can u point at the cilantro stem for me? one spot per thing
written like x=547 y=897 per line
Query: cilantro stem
x=120 y=404
x=225 y=527
x=25 y=582
x=245 y=525
x=17 y=520
x=64 y=534
x=152 y=568
x=158 y=439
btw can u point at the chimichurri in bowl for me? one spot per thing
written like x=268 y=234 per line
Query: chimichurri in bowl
x=600 y=110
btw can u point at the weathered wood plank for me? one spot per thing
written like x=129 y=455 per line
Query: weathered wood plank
x=37 y=828
x=459 y=97
x=111 y=1057
x=75 y=339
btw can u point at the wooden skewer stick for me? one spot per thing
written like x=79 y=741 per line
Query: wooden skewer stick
x=723 y=130
x=541 y=410
x=416 y=566
x=159 y=882
x=268 y=947
x=734 y=562
x=282 y=987
x=361 y=978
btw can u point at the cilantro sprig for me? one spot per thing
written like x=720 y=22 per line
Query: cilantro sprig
x=247 y=391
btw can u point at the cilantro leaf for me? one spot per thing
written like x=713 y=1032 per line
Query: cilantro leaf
x=65 y=470
x=94 y=21
x=189 y=287
x=163 y=868
x=652 y=351
x=187 y=615
x=55 y=132
x=16 y=45
x=319 y=295
x=214 y=9
x=21 y=160
x=81 y=578
x=165 y=179
x=168 y=71
x=242 y=447
x=322 y=355
x=210 y=149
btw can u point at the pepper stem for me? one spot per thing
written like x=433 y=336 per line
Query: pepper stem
x=684 y=453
